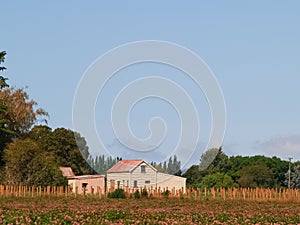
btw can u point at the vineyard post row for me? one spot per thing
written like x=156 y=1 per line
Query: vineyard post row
x=255 y=194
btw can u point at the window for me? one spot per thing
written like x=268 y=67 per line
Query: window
x=135 y=183
x=118 y=183
x=143 y=169
x=147 y=181
x=84 y=185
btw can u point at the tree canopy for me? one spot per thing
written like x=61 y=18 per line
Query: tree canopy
x=244 y=171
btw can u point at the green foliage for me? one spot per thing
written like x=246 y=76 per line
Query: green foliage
x=207 y=158
x=277 y=166
x=113 y=215
x=218 y=180
x=171 y=167
x=118 y=193
x=255 y=176
x=194 y=176
x=3 y=80
x=137 y=194
x=295 y=177
x=20 y=114
x=65 y=147
x=213 y=161
x=174 y=166
x=166 y=193
x=243 y=171
x=27 y=164
x=4 y=131
x=144 y=193
x=101 y=163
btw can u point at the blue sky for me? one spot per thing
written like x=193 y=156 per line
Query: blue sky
x=253 y=48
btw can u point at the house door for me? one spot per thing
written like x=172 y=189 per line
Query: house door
x=135 y=183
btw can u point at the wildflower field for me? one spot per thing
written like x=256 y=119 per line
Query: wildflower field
x=88 y=210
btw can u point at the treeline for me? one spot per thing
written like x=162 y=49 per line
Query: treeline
x=241 y=171
x=101 y=163
x=172 y=166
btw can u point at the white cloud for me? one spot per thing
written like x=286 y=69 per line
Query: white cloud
x=283 y=147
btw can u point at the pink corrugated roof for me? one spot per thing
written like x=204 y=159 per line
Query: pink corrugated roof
x=124 y=166
x=67 y=172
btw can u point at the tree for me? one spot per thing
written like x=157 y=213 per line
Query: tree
x=68 y=148
x=256 y=176
x=214 y=160
x=194 y=176
x=27 y=164
x=101 y=163
x=39 y=133
x=3 y=108
x=158 y=167
x=218 y=180
x=20 y=115
x=3 y=80
x=275 y=164
x=21 y=110
x=295 y=178
x=173 y=166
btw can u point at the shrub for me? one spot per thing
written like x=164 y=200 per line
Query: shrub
x=118 y=193
x=137 y=194
x=166 y=193
x=144 y=193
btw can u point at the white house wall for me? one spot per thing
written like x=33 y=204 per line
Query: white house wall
x=122 y=177
x=170 y=182
x=142 y=177
x=156 y=179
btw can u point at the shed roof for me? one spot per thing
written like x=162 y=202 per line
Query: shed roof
x=87 y=177
x=67 y=172
x=125 y=166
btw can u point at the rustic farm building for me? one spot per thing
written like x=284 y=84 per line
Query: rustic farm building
x=86 y=183
x=140 y=174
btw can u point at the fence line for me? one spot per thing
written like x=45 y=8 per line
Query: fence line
x=252 y=194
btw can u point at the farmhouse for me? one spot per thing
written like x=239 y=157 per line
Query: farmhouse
x=140 y=174
x=86 y=183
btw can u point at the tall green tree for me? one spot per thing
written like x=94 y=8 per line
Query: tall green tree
x=27 y=164
x=3 y=80
x=3 y=107
x=101 y=163
x=218 y=180
x=4 y=130
x=256 y=176
x=20 y=115
x=68 y=148
x=295 y=177
x=174 y=166
x=214 y=160
x=194 y=176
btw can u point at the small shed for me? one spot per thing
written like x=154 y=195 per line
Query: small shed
x=84 y=184
x=88 y=184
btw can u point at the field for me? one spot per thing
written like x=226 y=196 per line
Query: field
x=88 y=210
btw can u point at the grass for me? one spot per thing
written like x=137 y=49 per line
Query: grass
x=145 y=211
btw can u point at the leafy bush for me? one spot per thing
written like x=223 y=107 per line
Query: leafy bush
x=166 y=193
x=118 y=193
x=137 y=194
x=144 y=193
